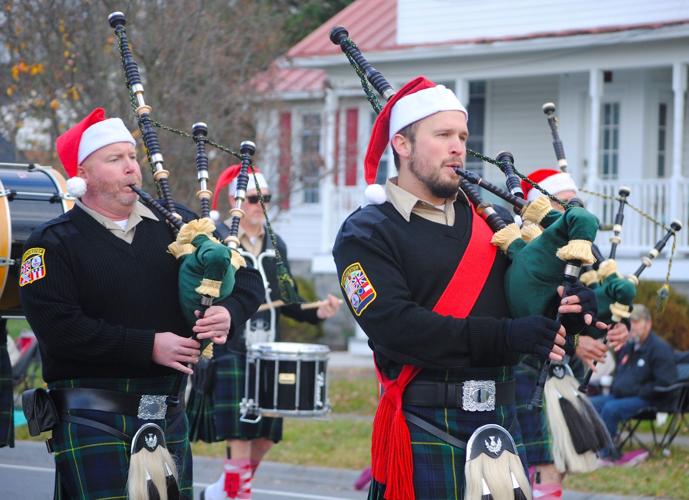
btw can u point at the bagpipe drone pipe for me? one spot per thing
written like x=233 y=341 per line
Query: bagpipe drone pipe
x=487 y=476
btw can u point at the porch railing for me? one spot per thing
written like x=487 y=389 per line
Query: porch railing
x=653 y=196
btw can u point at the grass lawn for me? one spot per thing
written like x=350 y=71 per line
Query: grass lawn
x=658 y=476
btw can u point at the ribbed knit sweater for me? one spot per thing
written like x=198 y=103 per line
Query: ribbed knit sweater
x=101 y=300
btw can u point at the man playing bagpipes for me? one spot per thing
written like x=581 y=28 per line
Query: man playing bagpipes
x=248 y=443
x=424 y=282
x=532 y=420
x=100 y=290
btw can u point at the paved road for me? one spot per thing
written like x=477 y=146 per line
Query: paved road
x=26 y=473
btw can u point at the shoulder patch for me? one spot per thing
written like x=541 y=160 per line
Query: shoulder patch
x=357 y=287
x=33 y=266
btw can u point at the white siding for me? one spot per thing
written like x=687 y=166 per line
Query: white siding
x=515 y=122
x=427 y=21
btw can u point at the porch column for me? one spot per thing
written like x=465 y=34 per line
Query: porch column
x=462 y=91
x=595 y=94
x=326 y=181
x=679 y=88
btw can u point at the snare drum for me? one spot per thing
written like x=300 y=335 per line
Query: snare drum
x=285 y=379
x=29 y=196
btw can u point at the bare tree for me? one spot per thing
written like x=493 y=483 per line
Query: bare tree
x=197 y=59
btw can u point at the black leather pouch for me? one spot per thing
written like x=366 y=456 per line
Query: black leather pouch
x=39 y=410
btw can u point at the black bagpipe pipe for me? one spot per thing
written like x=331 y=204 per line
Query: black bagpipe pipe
x=246 y=150
x=549 y=110
x=143 y=111
x=199 y=132
x=647 y=261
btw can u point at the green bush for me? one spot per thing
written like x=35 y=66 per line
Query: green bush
x=295 y=331
x=672 y=323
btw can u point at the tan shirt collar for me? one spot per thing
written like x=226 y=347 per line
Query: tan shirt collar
x=252 y=244
x=406 y=204
x=139 y=212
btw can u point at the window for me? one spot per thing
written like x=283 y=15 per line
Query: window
x=311 y=160
x=610 y=140
x=662 y=139
x=477 y=115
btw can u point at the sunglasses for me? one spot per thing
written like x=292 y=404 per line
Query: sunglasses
x=253 y=199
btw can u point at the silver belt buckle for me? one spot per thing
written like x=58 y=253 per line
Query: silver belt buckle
x=478 y=395
x=152 y=407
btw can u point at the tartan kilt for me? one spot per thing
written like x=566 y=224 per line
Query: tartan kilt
x=438 y=466
x=228 y=391
x=533 y=422
x=90 y=463
x=6 y=397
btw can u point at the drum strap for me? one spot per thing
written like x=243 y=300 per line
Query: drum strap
x=391 y=442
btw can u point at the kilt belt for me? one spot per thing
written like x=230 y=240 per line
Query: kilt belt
x=469 y=395
x=142 y=406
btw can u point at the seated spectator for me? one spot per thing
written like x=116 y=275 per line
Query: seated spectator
x=646 y=361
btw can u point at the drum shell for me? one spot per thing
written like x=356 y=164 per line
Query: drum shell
x=288 y=379
x=30 y=195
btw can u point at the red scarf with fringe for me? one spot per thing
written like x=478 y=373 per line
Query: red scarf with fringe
x=391 y=454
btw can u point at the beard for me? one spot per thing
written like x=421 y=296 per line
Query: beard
x=438 y=187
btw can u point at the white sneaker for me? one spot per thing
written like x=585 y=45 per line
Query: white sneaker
x=215 y=491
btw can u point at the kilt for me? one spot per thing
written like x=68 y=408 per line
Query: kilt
x=6 y=395
x=533 y=422
x=228 y=391
x=90 y=463
x=438 y=466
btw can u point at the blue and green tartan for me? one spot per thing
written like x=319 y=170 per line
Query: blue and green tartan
x=228 y=391
x=438 y=466
x=533 y=422
x=91 y=464
x=6 y=396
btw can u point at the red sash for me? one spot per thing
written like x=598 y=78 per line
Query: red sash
x=391 y=454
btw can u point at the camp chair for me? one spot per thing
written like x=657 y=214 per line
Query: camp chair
x=675 y=402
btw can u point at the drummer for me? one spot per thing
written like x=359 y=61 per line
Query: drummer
x=247 y=444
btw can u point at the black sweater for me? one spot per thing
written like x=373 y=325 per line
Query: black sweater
x=96 y=310
x=409 y=264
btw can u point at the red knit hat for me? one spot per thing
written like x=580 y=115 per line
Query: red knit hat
x=553 y=181
x=228 y=177
x=417 y=99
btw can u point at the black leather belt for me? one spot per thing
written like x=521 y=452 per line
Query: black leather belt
x=143 y=406
x=470 y=395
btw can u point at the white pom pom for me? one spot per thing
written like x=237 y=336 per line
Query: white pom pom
x=375 y=194
x=215 y=215
x=76 y=186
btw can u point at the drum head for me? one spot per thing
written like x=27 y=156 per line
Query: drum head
x=288 y=350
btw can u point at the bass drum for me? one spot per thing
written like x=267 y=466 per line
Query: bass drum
x=29 y=196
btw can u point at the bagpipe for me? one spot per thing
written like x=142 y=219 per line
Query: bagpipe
x=493 y=468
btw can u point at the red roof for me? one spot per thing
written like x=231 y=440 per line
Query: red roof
x=278 y=79
x=372 y=25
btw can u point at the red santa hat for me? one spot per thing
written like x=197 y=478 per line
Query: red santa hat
x=87 y=136
x=553 y=181
x=228 y=177
x=417 y=99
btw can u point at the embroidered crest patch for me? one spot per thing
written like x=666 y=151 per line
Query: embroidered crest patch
x=358 y=288
x=33 y=266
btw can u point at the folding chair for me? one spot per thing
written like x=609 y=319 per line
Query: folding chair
x=674 y=401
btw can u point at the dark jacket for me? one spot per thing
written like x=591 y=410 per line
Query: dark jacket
x=640 y=370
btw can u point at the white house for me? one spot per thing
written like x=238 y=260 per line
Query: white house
x=616 y=70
